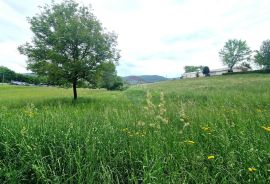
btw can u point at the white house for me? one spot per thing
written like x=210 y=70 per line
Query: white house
x=219 y=71
x=192 y=75
x=214 y=72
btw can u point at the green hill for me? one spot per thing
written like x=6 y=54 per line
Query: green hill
x=141 y=79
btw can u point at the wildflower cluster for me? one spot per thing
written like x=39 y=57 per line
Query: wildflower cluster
x=30 y=110
x=205 y=128
x=162 y=110
x=158 y=112
x=150 y=107
x=184 y=119
x=260 y=110
x=131 y=133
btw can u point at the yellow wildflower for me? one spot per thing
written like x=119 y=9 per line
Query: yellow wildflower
x=210 y=157
x=141 y=123
x=266 y=128
x=125 y=129
x=130 y=134
x=190 y=142
x=252 y=169
x=258 y=110
x=206 y=128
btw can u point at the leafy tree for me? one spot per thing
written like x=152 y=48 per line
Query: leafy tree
x=10 y=75
x=6 y=74
x=233 y=52
x=192 y=68
x=106 y=77
x=69 y=44
x=206 y=71
x=262 y=56
x=118 y=84
x=245 y=67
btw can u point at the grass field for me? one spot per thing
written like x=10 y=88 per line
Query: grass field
x=207 y=130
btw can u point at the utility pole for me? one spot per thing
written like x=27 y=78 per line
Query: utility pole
x=3 y=78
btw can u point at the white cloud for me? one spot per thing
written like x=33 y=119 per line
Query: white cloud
x=10 y=57
x=162 y=36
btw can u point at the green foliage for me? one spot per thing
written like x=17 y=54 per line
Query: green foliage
x=69 y=44
x=10 y=75
x=7 y=73
x=106 y=77
x=262 y=56
x=192 y=68
x=156 y=133
x=118 y=84
x=206 y=71
x=31 y=79
x=245 y=66
x=233 y=52
x=264 y=71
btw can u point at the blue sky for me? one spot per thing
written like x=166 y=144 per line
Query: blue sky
x=154 y=36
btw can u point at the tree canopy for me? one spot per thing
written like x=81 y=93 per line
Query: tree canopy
x=234 y=51
x=262 y=56
x=206 y=71
x=192 y=68
x=6 y=75
x=69 y=44
x=106 y=77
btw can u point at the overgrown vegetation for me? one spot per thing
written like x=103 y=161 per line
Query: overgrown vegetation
x=208 y=130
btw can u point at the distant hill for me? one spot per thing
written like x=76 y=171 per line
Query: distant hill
x=141 y=79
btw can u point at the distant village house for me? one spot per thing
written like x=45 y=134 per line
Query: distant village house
x=214 y=72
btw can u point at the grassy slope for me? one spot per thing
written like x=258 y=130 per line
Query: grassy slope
x=109 y=137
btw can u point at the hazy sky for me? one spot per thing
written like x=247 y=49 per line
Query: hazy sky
x=154 y=36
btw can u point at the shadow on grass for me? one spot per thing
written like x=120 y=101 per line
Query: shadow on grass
x=67 y=101
x=53 y=102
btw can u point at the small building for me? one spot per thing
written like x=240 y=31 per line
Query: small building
x=215 y=72
x=192 y=75
x=219 y=71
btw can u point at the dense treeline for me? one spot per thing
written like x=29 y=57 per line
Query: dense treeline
x=105 y=77
x=8 y=75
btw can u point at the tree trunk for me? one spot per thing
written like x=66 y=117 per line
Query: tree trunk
x=74 y=89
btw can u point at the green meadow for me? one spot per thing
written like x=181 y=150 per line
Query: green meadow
x=205 y=130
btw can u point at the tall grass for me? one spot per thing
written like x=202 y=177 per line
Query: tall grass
x=210 y=130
